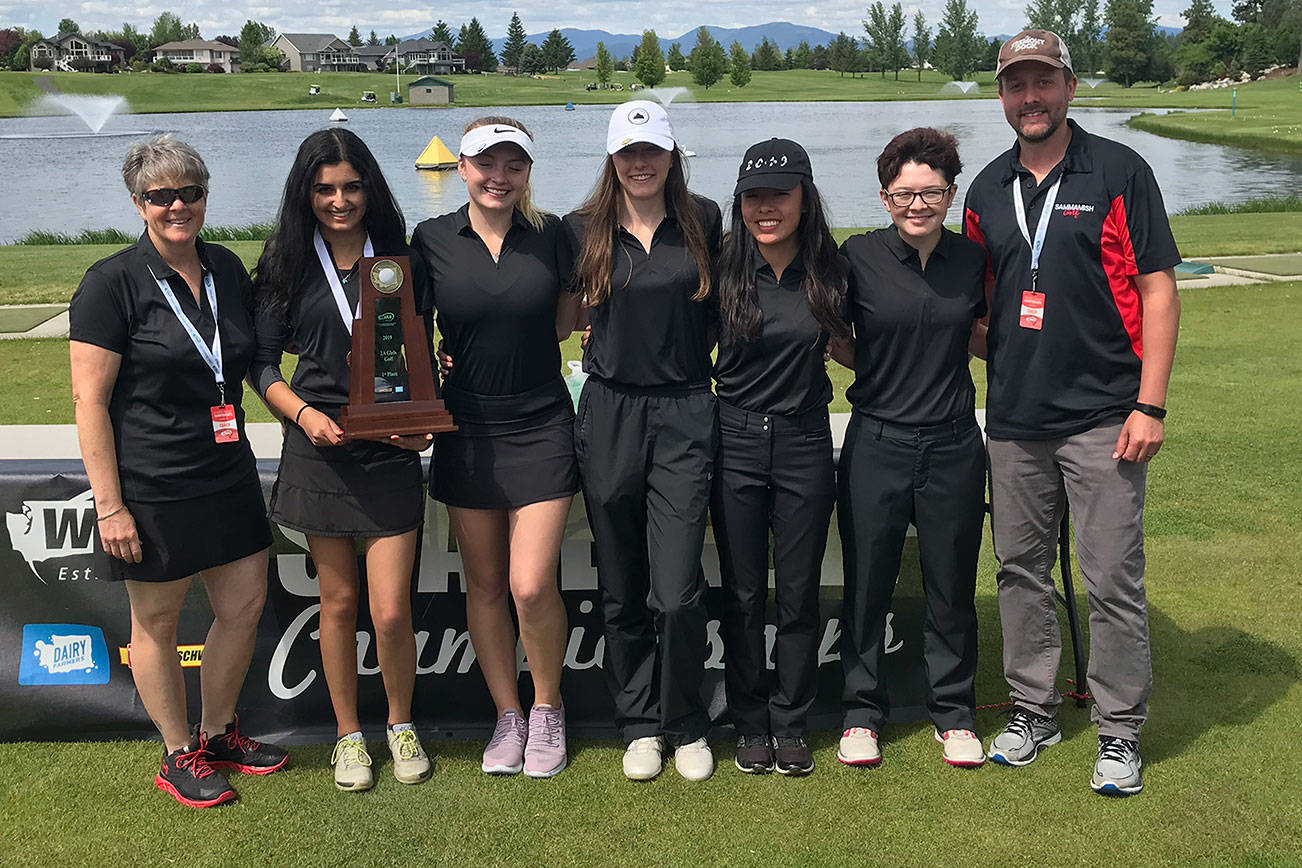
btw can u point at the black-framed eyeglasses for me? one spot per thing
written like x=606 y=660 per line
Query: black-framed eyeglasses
x=929 y=196
x=165 y=196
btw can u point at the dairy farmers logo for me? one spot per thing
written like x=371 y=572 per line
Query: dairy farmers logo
x=55 y=654
x=52 y=530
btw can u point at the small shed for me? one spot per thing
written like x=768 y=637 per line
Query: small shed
x=429 y=90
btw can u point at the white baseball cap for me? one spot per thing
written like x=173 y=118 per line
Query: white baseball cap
x=639 y=120
x=482 y=138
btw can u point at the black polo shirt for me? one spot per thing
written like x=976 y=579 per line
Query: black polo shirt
x=1108 y=225
x=649 y=332
x=781 y=370
x=497 y=318
x=161 y=403
x=313 y=328
x=912 y=327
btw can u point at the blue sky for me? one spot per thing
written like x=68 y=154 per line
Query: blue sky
x=666 y=17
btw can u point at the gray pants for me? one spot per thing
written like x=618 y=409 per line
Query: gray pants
x=1029 y=481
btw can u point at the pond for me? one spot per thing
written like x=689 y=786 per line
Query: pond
x=57 y=179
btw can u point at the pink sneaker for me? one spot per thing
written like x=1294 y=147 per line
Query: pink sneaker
x=544 y=755
x=505 y=752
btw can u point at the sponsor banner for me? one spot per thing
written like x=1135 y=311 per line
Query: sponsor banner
x=55 y=597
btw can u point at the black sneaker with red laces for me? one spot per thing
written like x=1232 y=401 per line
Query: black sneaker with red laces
x=234 y=751
x=187 y=775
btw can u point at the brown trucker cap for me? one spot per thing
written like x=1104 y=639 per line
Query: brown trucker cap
x=1042 y=45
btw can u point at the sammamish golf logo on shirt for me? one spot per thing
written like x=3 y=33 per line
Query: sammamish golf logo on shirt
x=48 y=532
x=1072 y=209
x=55 y=654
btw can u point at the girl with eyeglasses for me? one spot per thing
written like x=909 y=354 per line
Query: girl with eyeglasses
x=781 y=291
x=913 y=453
x=341 y=494
x=161 y=339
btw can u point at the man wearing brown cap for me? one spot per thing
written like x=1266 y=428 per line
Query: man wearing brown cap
x=1082 y=330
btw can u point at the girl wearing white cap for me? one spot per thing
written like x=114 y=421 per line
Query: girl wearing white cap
x=646 y=431
x=496 y=272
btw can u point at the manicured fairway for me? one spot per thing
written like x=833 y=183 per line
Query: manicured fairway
x=1223 y=775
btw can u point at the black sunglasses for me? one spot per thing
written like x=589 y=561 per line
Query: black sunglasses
x=165 y=196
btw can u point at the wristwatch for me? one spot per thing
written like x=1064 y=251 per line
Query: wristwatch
x=1153 y=410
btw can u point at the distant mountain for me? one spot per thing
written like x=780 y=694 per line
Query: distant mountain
x=786 y=36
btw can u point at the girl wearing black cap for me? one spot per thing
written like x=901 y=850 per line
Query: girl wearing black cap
x=336 y=209
x=646 y=431
x=508 y=474
x=913 y=452
x=781 y=288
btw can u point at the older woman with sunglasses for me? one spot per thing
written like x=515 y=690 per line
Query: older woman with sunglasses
x=913 y=452
x=161 y=337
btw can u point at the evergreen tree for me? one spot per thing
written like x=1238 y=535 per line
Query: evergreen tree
x=1256 y=54
x=675 y=58
x=557 y=51
x=1198 y=20
x=819 y=59
x=921 y=41
x=1129 y=44
x=515 y=41
x=393 y=40
x=708 y=62
x=885 y=29
x=739 y=65
x=473 y=44
x=354 y=37
x=649 y=64
x=67 y=25
x=958 y=47
x=256 y=53
x=1087 y=50
x=442 y=33
x=532 y=60
x=1058 y=16
x=1247 y=11
x=605 y=64
x=767 y=56
x=373 y=39
x=802 y=56
x=168 y=28
x=842 y=54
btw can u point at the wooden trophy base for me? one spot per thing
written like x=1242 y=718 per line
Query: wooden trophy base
x=378 y=421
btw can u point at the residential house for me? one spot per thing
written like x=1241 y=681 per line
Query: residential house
x=317 y=52
x=72 y=52
x=204 y=52
x=425 y=57
x=372 y=56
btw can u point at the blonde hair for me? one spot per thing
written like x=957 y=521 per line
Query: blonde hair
x=162 y=157
x=528 y=210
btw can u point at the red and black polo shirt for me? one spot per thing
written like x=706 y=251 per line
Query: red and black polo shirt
x=1108 y=225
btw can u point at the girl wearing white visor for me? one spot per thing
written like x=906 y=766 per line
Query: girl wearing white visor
x=507 y=475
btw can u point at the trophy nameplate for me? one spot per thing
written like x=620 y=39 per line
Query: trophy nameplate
x=390 y=380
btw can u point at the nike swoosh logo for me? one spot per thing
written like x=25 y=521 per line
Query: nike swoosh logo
x=505 y=130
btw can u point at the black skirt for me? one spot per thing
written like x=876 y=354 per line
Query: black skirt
x=179 y=538
x=509 y=451
x=359 y=489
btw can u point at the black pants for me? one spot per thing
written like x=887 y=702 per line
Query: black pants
x=646 y=458
x=771 y=472
x=933 y=478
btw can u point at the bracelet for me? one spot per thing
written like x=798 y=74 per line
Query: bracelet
x=1158 y=413
x=300 y=412
x=98 y=519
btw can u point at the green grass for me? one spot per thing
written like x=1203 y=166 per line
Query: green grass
x=1288 y=265
x=1260 y=205
x=1221 y=769
x=20 y=319
x=154 y=92
x=220 y=234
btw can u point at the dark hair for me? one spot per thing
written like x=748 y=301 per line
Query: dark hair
x=923 y=145
x=740 y=317
x=592 y=270
x=288 y=254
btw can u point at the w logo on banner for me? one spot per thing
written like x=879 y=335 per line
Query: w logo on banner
x=49 y=529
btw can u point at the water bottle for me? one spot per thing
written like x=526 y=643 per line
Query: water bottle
x=574 y=382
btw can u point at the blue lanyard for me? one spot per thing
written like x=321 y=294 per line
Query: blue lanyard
x=211 y=355
x=1041 y=229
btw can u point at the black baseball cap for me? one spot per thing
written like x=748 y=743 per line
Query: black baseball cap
x=777 y=164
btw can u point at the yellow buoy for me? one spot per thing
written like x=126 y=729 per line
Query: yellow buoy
x=436 y=156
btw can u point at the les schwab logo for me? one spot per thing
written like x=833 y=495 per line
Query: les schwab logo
x=46 y=533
